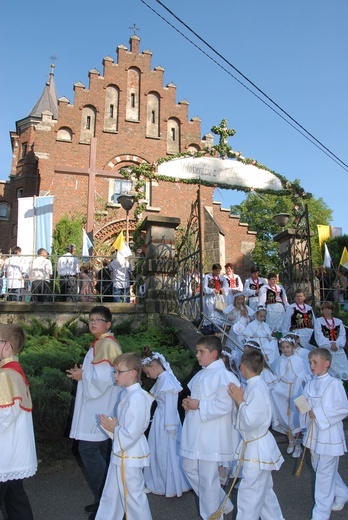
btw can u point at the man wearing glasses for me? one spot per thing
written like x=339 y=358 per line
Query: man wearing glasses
x=96 y=393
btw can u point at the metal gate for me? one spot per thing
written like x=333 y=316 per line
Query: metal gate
x=189 y=275
x=296 y=259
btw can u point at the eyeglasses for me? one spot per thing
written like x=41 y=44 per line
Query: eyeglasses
x=97 y=320
x=119 y=372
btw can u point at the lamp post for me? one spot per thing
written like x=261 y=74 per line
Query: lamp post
x=281 y=219
x=127 y=202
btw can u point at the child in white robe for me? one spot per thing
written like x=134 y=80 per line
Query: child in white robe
x=123 y=493
x=259 y=330
x=291 y=374
x=17 y=443
x=325 y=435
x=164 y=475
x=237 y=317
x=258 y=452
x=96 y=392
x=208 y=437
x=300 y=351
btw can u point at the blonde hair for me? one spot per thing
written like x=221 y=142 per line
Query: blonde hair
x=131 y=360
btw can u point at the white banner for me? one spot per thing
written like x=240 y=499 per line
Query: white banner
x=220 y=171
x=35 y=224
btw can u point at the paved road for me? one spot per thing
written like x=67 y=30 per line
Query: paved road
x=61 y=492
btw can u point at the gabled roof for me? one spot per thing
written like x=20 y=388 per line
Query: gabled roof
x=47 y=101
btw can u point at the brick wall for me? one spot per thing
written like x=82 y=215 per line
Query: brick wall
x=129 y=144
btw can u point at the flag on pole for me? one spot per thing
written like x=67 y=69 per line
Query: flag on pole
x=327 y=257
x=324 y=233
x=86 y=245
x=344 y=258
x=123 y=250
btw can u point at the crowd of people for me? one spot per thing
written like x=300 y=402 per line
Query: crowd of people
x=225 y=434
x=35 y=279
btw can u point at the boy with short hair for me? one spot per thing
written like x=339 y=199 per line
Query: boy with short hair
x=325 y=435
x=18 y=454
x=123 y=492
x=208 y=438
x=258 y=452
x=96 y=393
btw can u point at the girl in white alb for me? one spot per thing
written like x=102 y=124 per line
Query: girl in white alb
x=259 y=330
x=291 y=374
x=164 y=475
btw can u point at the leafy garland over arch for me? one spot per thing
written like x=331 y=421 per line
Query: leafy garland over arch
x=145 y=171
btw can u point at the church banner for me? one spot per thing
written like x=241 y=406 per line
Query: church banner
x=220 y=171
x=35 y=215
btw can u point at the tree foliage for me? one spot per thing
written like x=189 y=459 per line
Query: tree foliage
x=68 y=230
x=258 y=210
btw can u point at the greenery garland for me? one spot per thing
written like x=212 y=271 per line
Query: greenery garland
x=139 y=174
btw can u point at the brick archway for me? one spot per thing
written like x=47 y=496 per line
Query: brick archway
x=110 y=231
x=124 y=158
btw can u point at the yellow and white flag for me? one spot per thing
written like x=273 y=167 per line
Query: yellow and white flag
x=344 y=258
x=324 y=233
x=122 y=248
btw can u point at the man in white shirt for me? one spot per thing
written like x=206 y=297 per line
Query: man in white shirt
x=14 y=270
x=121 y=271
x=68 y=269
x=40 y=272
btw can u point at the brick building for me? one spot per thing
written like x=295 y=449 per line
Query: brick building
x=76 y=151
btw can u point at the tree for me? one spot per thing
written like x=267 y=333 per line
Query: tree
x=258 y=210
x=68 y=230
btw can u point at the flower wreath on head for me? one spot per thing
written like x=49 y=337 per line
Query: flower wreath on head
x=287 y=339
x=163 y=361
x=240 y=293
x=260 y=308
x=252 y=344
x=228 y=355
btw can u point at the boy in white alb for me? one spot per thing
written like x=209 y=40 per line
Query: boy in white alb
x=96 y=392
x=325 y=435
x=123 y=493
x=258 y=451
x=208 y=437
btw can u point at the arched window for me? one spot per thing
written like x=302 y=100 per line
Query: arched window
x=88 y=119
x=173 y=136
x=153 y=115
x=4 y=211
x=111 y=108
x=64 y=134
x=133 y=94
x=193 y=148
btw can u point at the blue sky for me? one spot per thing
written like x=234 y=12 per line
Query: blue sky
x=294 y=51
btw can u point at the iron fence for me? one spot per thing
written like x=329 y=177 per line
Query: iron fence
x=92 y=281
